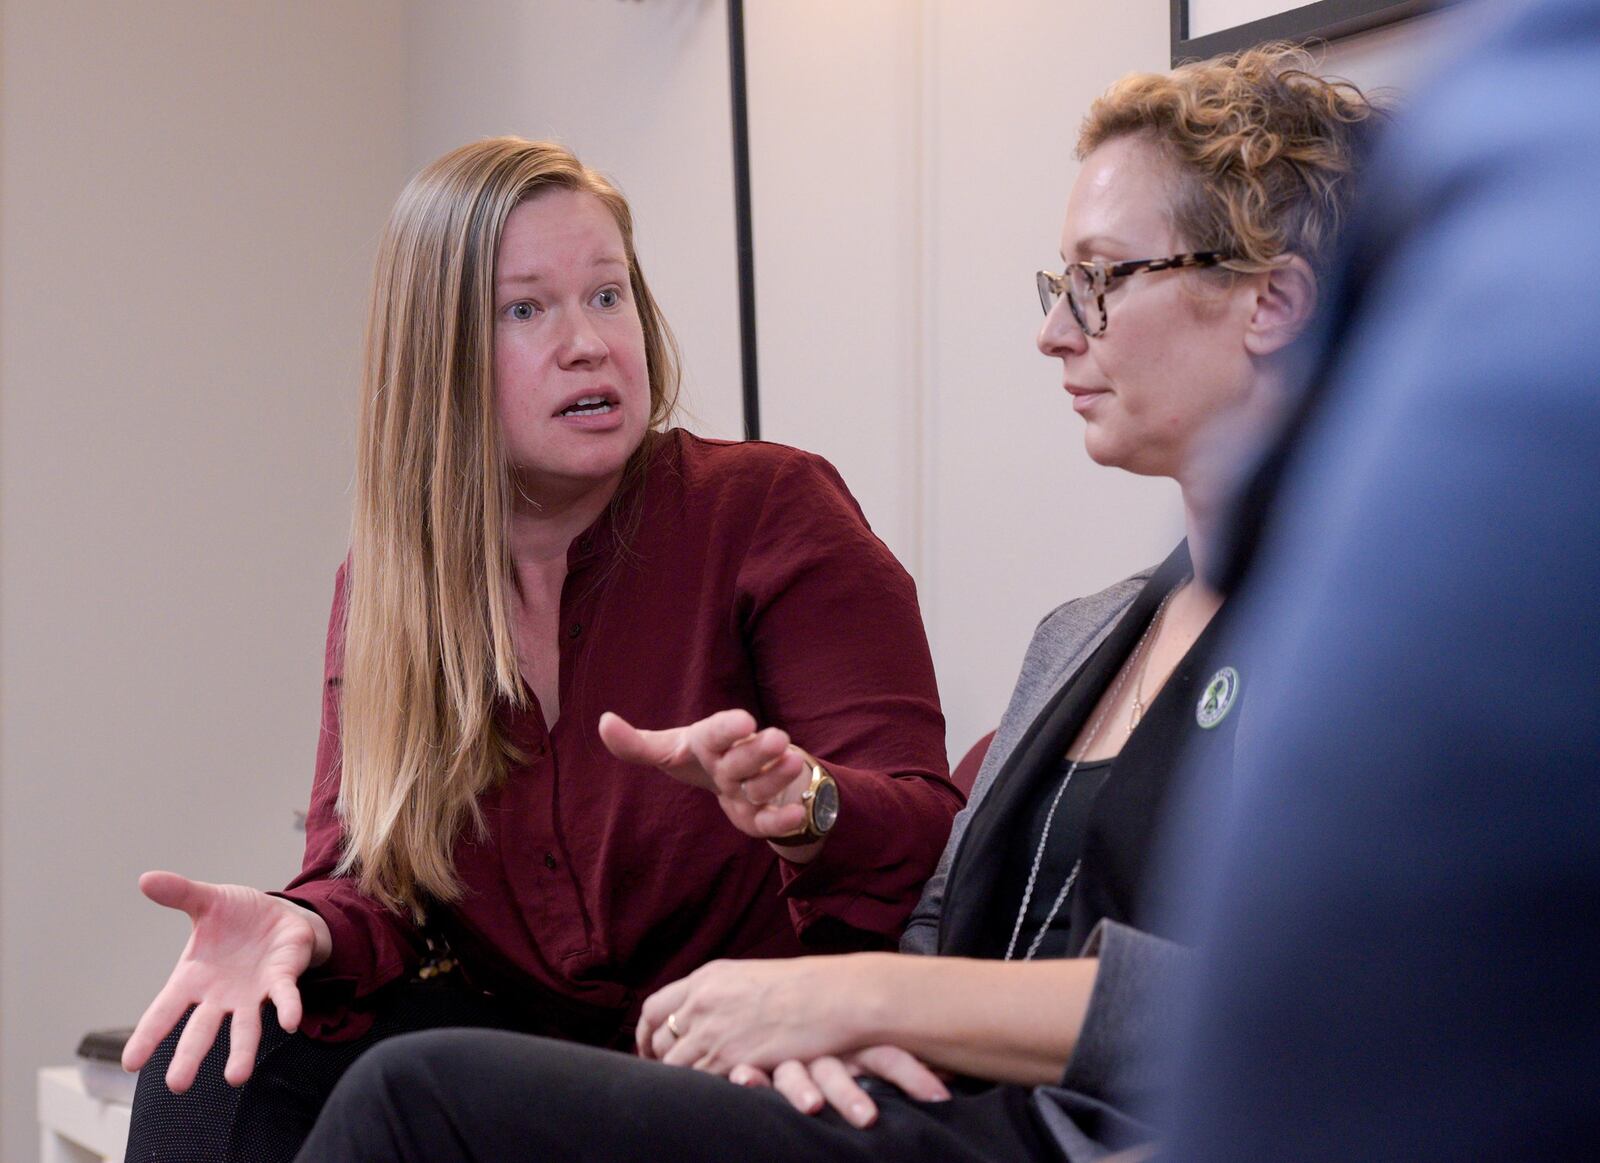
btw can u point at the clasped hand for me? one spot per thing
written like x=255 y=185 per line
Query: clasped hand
x=755 y=775
x=801 y=1025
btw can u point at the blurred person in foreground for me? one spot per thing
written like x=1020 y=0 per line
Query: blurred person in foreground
x=1207 y=205
x=1404 y=893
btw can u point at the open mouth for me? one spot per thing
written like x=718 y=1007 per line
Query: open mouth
x=589 y=406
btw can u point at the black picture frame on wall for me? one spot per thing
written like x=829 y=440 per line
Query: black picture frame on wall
x=1322 y=20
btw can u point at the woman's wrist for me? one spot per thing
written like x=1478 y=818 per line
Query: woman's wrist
x=795 y=793
x=799 y=853
x=321 y=935
x=867 y=998
x=322 y=941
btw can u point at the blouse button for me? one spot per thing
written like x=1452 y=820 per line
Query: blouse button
x=575 y=629
x=550 y=861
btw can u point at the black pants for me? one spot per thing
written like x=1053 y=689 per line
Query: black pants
x=267 y=1119
x=451 y=1096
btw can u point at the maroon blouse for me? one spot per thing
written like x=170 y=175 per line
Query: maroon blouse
x=752 y=580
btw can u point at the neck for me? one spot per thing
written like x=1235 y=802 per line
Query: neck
x=1200 y=513
x=544 y=524
x=1211 y=465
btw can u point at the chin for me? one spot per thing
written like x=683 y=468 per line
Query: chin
x=575 y=470
x=1141 y=459
x=600 y=464
x=1102 y=450
x=1101 y=458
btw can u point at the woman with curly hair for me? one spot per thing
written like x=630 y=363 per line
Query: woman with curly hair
x=1195 y=238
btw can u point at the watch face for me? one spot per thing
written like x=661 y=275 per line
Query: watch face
x=825 y=806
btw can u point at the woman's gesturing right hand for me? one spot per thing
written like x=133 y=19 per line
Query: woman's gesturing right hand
x=246 y=948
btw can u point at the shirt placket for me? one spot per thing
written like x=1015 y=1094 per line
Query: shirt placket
x=538 y=864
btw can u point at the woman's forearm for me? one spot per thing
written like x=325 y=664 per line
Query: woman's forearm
x=1008 y=1021
x=1004 y=1020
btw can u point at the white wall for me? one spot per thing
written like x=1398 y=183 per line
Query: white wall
x=1208 y=16
x=190 y=193
x=836 y=151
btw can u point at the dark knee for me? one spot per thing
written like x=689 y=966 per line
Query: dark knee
x=398 y=1061
x=386 y=1103
x=412 y=1067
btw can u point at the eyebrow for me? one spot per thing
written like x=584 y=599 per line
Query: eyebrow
x=533 y=277
x=1085 y=247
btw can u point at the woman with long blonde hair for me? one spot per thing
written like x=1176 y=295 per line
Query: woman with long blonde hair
x=1200 y=224
x=537 y=563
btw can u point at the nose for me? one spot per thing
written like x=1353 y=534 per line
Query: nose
x=1061 y=336
x=582 y=345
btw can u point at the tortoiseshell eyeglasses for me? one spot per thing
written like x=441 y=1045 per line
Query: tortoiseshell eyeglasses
x=1085 y=284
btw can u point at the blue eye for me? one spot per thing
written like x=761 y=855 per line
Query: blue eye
x=521 y=312
x=609 y=297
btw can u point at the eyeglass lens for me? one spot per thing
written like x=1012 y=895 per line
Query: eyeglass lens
x=1083 y=298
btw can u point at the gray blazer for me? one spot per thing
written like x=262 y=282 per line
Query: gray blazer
x=1061 y=644
x=1119 y=1061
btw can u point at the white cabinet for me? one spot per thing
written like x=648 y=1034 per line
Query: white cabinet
x=75 y=1127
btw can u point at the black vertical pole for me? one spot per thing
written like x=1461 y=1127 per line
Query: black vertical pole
x=741 y=207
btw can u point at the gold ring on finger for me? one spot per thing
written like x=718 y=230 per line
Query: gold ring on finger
x=672 y=1025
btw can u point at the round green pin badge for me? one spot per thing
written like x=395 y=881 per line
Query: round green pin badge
x=1218 y=698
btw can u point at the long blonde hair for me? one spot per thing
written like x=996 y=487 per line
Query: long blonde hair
x=428 y=650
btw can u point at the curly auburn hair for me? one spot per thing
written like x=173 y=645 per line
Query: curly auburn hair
x=1264 y=150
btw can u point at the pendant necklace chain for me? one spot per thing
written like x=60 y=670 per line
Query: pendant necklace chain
x=1140 y=662
x=1136 y=715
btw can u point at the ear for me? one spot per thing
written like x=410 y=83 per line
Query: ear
x=1286 y=296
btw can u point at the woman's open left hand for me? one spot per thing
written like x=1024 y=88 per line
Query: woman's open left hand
x=751 y=772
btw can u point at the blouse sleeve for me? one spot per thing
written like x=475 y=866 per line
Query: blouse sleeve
x=372 y=945
x=832 y=623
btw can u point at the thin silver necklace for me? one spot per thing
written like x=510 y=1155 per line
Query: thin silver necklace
x=1136 y=662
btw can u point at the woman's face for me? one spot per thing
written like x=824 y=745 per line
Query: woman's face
x=1173 y=357
x=572 y=387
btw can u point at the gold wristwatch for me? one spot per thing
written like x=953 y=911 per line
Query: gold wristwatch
x=821 y=799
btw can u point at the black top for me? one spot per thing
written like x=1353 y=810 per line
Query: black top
x=1067 y=818
x=1120 y=828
